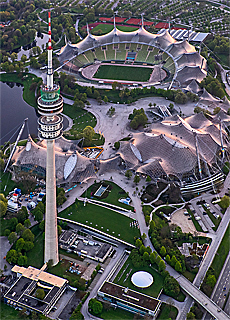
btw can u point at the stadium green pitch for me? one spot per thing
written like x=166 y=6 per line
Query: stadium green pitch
x=126 y=73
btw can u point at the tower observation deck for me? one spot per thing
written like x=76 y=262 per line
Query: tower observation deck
x=50 y=105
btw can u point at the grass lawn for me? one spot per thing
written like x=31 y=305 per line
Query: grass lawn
x=167 y=312
x=222 y=253
x=116 y=314
x=112 y=196
x=8 y=313
x=36 y=255
x=60 y=270
x=123 y=73
x=105 y=28
x=102 y=219
x=81 y=118
x=28 y=96
x=152 y=291
x=6 y=181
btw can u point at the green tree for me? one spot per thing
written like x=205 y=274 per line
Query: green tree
x=117 y=145
x=211 y=280
x=40 y=294
x=178 y=266
x=95 y=306
x=22 y=214
x=191 y=316
x=38 y=215
x=152 y=225
x=20 y=244
x=28 y=235
x=163 y=251
x=128 y=174
x=12 y=237
x=171 y=286
x=167 y=259
x=225 y=201
x=27 y=223
x=19 y=229
x=28 y=245
x=161 y=265
x=12 y=256
x=7 y=233
x=105 y=99
x=42 y=225
x=146 y=256
x=88 y=134
x=138 y=243
x=3 y=205
x=143 y=236
x=152 y=257
x=173 y=261
x=22 y=260
x=148 y=179
x=136 y=179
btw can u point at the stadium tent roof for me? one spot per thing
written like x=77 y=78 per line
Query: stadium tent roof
x=188 y=73
x=198 y=121
x=36 y=155
x=193 y=87
x=179 y=48
x=191 y=59
x=184 y=134
x=206 y=96
x=142 y=279
x=109 y=164
x=189 y=64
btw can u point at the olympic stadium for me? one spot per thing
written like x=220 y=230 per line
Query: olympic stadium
x=155 y=58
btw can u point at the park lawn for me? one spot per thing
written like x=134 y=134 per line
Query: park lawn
x=7 y=312
x=28 y=95
x=81 y=119
x=112 y=196
x=105 y=28
x=167 y=312
x=61 y=270
x=105 y=220
x=152 y=291
x=35 y=257
x=5 y=180
x=128 y=73
x=116 y=314
x=221 y=254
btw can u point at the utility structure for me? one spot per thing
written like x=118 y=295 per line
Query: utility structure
x=50 y=105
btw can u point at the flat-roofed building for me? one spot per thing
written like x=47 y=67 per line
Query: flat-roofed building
x=22 y=293
x=129 y=300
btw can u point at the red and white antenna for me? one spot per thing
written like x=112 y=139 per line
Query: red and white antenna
x=50 y=50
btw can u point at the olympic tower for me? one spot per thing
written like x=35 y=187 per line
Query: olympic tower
x=50 y=105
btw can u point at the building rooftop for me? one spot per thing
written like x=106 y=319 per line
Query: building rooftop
x=130 y=296
x=39 y=275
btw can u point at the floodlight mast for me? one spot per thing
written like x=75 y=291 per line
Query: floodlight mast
x=50 y=105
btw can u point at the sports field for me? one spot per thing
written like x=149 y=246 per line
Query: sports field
x=126 y=73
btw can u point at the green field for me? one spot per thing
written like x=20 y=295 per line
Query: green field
x=167 y=312
x=152 y=291
x=112 y=72
x=105 y=28
x=8 y=313
x=112 y=196
x=117 y=314
x=36 y=255
x=222 y=253
x=105 y=220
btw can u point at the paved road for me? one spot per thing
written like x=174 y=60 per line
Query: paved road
x=219 y=291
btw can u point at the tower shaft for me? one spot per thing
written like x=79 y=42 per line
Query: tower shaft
x=51 y=236
x=50 y=105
